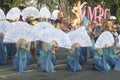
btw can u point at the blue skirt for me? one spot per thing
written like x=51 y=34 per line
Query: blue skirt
x=29 y=57
x=114 y=62
x=3 y=58
x=11 y=49
x=117 y=65
x=42 y=63
x=111 y=60
x=53 y=59
x=45 y=64
x=101 y=64
x=92 y=52
x=73 y=65
x=3 y=53
x=83 y=56
x=19 y=63
x=39 y=47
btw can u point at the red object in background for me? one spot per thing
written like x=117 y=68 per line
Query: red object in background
x=20 y=18
x=38 y=41
x=62 y=10
x=63 y=27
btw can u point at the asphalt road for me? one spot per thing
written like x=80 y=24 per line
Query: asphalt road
x=87 y=73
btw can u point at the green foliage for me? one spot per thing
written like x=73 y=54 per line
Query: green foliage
x=50 y=3
x=117 y=3
x=13 y=3
x=16 y=3
x=114 y=6
x=118 y=14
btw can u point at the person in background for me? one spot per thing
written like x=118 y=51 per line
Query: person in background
x=64 y=25
x=57 y=24
x=60 y=16
x=11 y=47
x=52 y=21
x=31 y=20
x=3 y=50
x=108 y=26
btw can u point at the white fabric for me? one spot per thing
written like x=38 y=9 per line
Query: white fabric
x=80 y=36
x=5 y=26
x=21 y=23
x=48 y=35
x=2 y=14
x=30 y=10
x=20 y=31
x=55 y=14
x=13 y=14
x=43 y=25
x=45 y=13
x=105 y=38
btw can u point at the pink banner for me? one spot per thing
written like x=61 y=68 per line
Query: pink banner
x=96 y=13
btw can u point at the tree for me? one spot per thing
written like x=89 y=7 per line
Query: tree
x=15 y=3
x=2 y=2
x=114 y=6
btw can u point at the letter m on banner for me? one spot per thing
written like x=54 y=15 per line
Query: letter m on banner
x=91 y=13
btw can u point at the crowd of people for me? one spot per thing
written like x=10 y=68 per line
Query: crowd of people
x=105 y=59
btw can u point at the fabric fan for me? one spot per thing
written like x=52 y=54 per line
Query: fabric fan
x=21 y=24
x=43 y=25
x=80 y=36
x=45 y=13
x=105 y=38
x=13 y=14
x=20 y=32
x=5 y=26
x=2 y=14
x=30 y=10
x=55 y=14
x=48 y=35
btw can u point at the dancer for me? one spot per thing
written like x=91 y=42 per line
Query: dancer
x=100 y=61
x=47 y=57
x=73 y=58
x=20 y=58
